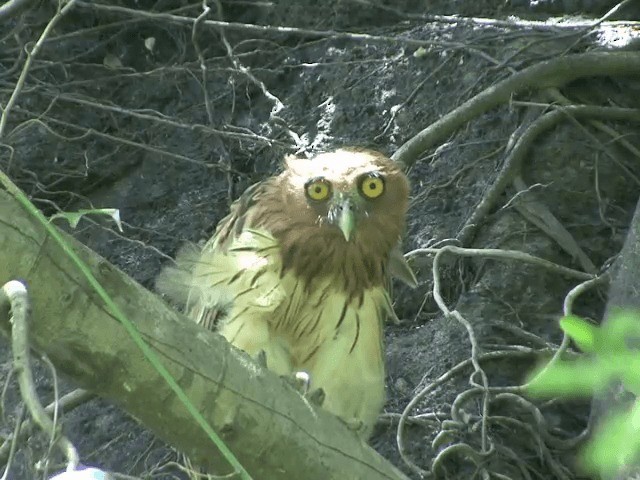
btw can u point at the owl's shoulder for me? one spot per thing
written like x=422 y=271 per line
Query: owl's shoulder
x=246 y=213
x=240 y=256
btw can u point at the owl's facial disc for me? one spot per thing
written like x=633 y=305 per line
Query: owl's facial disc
x=345 y=204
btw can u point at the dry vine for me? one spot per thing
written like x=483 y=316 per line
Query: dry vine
x=460 y=420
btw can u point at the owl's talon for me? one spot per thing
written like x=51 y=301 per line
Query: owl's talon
x=261 y=358
x=298 y=382
x=316 y=397
x=302 y=382
x=353 y=424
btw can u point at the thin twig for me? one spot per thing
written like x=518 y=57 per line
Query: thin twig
x=12 y=443
x=17 y=295
x=66 y=403
x=512 y=164
x=525 y=352
x=303 y=32
x=27 y=64
x=277 y=104
x=472 y=339
x=203 y=65
x=538 y=214
x=43 y=120
x=163 y=120
x=503 y=255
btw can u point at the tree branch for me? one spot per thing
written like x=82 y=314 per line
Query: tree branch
x=552 y=73
x=13 y=8
x=273 y=431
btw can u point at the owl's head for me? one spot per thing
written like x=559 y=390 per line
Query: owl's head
x=354 y=193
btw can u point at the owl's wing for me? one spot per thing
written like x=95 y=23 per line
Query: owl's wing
x=235 y=270
x=241 y=216
x=400 y=269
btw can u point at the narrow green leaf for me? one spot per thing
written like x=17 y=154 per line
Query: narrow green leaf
x=615 y=444
x=74 y=217
x=583 y=333
x=620 y=330
x=574 y=379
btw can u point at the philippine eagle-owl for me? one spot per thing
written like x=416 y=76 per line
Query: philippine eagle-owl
x=299 y=270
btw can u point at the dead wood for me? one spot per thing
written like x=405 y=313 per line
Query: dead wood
x=275 y=433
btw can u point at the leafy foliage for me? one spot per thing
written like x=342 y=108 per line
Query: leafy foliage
x=611 y=356
x=74 y=217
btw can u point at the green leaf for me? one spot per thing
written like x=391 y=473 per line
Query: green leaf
x=621 y=328
x=614 y=356
x=74 y=217
x=572 y=379
x=583 y=333
x=615 y=444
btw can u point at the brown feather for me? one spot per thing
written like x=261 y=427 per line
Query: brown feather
x=312 y=249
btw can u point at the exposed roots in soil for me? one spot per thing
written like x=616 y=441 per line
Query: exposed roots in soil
x=489 y=429
x=461 y=424
x=487 y=435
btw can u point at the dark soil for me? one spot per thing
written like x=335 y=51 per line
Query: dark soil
x=105 y=121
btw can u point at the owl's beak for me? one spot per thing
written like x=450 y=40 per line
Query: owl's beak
x=347 y=222
x=344 y=215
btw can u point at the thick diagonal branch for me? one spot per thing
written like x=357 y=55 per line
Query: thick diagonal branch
x=551 y=73
x=275 y=433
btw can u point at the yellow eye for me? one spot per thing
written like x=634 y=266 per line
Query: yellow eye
x=318 y=189
x=372 y=185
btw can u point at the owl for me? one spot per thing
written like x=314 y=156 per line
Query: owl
x=298 y=274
